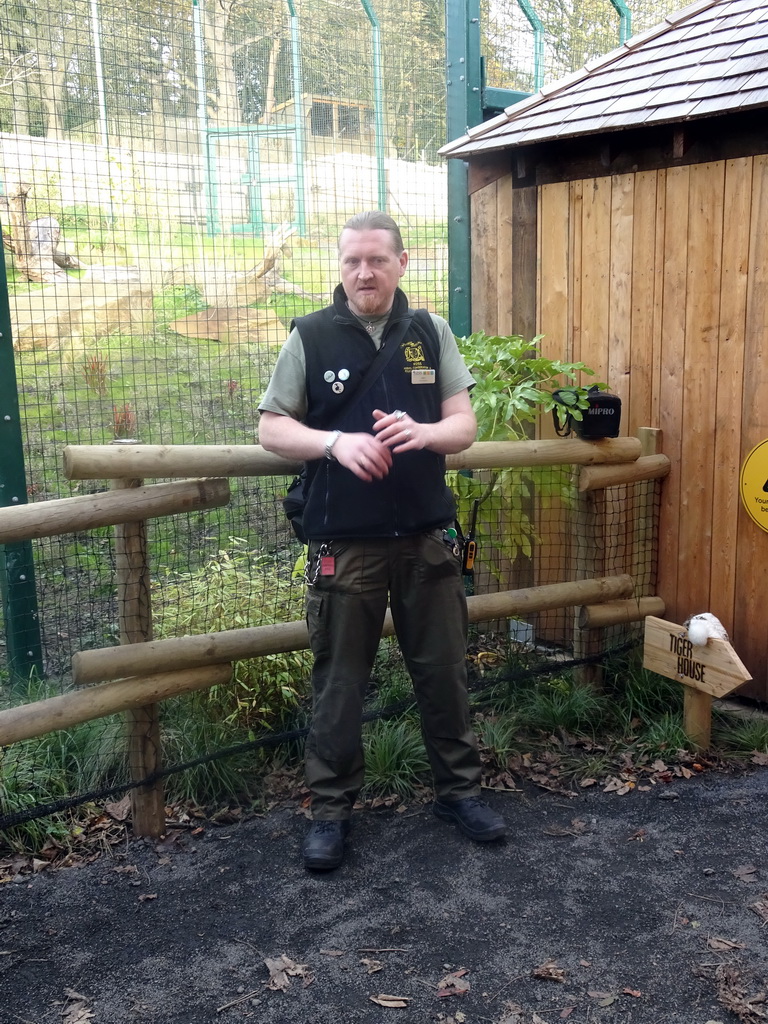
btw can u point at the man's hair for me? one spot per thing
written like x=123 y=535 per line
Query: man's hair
x=376 y=220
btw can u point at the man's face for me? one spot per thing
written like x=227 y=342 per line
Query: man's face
x=370 y=270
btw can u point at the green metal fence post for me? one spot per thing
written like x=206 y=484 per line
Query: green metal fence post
x=378 y=102
x=17 y=570
x=464 y=109
x=538 y=42
x=299 y=141
x=625 y=20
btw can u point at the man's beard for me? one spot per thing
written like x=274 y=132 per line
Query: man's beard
x=369 y=305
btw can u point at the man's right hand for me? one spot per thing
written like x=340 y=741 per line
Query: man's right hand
x=363 y=455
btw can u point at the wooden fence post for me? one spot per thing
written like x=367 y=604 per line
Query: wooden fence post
x=135 y=620
x=644 y=532
x=590 y=551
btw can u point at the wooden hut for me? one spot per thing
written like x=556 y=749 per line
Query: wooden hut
x=622 y=212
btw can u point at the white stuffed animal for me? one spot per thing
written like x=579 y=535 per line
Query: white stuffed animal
x=702 y=627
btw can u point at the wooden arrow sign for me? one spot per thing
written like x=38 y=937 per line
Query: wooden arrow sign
x=715 y=668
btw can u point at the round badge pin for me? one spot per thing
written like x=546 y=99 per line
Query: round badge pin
x=329 y=376
x=343 y=374
x=337 y=387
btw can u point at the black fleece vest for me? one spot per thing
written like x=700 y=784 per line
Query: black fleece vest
x=413 y=497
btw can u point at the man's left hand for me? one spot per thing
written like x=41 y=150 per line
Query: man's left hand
x=399 y=432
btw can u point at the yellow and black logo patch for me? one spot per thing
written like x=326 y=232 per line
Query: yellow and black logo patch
x=414 y=354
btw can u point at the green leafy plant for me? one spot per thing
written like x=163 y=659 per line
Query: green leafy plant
x=639 y=696
x=395 y=758
x=498 y=738
x=238 y=588
x=663 y=736
x=48 y=768
x=515 y=384
x=743 y=736
x=562 y=704
x=515 y=387
x=189 y=730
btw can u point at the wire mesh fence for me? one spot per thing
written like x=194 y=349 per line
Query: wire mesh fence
x=532 y=42
x=173 y=177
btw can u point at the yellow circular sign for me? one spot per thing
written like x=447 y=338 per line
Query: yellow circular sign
x=754 y=484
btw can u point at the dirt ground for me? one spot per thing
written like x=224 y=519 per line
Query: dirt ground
x=645 y=908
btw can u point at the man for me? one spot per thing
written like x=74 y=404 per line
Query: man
x=376 y=513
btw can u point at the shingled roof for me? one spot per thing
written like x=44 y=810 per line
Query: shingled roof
x=710 y=58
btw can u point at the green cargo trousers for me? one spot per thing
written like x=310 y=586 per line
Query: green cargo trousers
x=345 y=612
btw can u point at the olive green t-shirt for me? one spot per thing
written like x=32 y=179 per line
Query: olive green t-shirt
x=286 y=393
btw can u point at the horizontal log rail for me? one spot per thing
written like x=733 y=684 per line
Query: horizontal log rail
x=112 y=462
x=235 y=644
x=647 y=467
x=76 y=706
x=109 y=508
x=617 y=613
x=133 y=677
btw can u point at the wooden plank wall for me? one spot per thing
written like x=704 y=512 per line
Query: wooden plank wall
x=658 y=280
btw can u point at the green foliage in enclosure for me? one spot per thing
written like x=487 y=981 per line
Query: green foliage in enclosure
x=47 y=768
x=234 y=589
x=189 y=730
x=515 y=384
x=395 y=758
x=514 y=388
x=564 y=704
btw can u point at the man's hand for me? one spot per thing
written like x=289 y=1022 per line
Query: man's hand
x=399 y=432
x=453 y=432
x=363 y=455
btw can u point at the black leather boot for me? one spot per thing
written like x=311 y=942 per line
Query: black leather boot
x=323 y=847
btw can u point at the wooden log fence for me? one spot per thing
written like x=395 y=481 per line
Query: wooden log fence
x=135 y=676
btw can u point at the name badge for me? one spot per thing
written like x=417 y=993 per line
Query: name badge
x=422 y=376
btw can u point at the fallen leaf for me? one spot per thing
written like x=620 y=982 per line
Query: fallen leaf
x=587 y=782
x=372 y=965
x=453 y=984
x=536 y=1019
x=77 y=1010
x=759 y=757
x=631 y=992
x=390 y=1002
x=717 y=943
x=566 y=1012
x=733 y=994
x=147 y=896
x=119 y=810
x=71 y=994
x=760 y=907
x=745 y=873
x=549 y=971
x=512 y=1013
x=639 y=834
x=603 y=998
x=281 y=969
x=332 y=952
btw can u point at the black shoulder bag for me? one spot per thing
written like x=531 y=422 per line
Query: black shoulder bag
x=295 y=498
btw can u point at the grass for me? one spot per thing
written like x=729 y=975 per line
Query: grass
x=395 y=759
x=189 y=730
x=48 y=768
x=563 y=705
x=554 y=730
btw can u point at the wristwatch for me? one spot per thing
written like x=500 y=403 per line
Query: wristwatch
x=330 y=441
